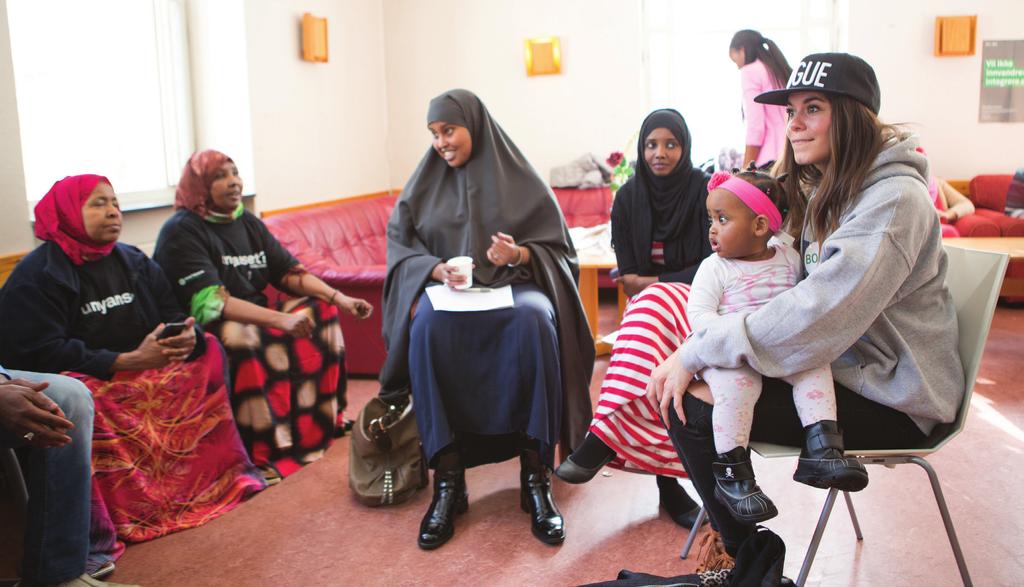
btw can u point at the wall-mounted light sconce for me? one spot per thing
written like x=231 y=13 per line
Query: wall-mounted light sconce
x=955 y=35
x=314 y=38
x=543 y=56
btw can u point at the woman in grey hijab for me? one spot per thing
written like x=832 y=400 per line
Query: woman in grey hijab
x=487 y=386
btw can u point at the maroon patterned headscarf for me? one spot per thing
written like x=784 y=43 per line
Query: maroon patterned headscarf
x=59 y=218
x=193 y=191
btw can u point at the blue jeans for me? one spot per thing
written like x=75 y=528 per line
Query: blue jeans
x=59 y=488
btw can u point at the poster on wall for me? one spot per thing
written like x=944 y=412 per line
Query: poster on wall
x=1002 y=81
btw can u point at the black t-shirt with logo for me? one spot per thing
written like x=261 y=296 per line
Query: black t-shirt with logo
x=108 y=316
x=241 y=255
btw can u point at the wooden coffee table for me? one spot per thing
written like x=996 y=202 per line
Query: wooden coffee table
x=1012 y=246
x=590 y=264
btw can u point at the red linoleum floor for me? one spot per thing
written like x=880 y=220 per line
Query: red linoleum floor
x=309 y=531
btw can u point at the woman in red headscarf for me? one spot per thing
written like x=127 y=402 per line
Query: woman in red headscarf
x=166 y=453
x=286 y=363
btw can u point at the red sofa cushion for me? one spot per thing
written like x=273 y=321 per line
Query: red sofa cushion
x=345 y=244
x=978 y=225
x=989 y=191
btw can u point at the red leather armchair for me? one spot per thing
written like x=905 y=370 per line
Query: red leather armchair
x=345 y=244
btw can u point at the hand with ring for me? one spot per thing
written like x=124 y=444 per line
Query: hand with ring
x=26 y=411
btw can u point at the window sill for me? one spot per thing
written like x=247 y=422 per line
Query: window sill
x=161 y=203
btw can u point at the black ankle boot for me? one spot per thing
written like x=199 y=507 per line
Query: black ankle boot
x=822 y=463
x=535 y=498
x=450 y=499
x=736 y=489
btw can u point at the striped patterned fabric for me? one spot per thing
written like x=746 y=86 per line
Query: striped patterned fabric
x=657 y=253
x=653 y=326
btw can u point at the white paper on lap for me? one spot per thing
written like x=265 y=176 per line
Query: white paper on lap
x=446 y=299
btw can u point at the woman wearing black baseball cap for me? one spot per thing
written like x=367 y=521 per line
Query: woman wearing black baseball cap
x=872 y=303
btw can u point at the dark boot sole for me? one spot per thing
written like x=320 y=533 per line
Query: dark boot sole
x=460 y=509
x=847 y=482
x=845 y=479
x=768 y=514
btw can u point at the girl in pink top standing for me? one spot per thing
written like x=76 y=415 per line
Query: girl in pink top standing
x=752 y=263
x=763 y=67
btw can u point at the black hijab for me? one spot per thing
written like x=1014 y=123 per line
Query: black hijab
x=668 y=209
x=445 y=212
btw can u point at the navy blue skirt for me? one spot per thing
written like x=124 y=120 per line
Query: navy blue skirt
x=490 y=380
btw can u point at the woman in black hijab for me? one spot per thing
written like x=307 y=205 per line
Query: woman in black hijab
x=486 y=385
x=660 y=235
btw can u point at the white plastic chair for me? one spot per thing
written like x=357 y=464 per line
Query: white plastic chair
x=974 y=279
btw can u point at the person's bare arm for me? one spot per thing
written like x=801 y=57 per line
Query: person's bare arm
x=238 y=310
x=307 y=284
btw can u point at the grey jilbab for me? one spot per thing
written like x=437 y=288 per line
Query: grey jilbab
x=445 y=212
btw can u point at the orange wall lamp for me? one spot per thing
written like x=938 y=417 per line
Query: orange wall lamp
x=543 y=56
x=314 y=38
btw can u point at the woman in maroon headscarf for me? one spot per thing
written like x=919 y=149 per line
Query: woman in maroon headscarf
x=287 y=364
x=166 y=453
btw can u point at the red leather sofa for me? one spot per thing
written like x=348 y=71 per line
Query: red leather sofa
x=345 y=244
x=988 y=192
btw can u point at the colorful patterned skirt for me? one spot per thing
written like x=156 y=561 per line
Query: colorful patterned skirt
x=653 y=326
x=289 y=393
x=166 y=454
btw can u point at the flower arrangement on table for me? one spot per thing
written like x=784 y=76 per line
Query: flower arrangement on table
x=622 y=170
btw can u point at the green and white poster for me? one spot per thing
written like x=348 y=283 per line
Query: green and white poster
x=1002 y=81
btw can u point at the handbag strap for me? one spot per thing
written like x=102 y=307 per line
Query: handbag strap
x=378 y=428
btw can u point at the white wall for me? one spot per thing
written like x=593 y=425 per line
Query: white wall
x=595 y=105
x=939 y=95
x=15 y=232
x=318 y=129
x=220 y=81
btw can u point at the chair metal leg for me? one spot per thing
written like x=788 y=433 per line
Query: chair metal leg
x=946 y=519
x=12 y=471
x=693 y=533
x=853 y=515
x=812 y=548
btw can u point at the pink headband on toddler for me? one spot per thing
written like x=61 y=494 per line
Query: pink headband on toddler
x=749 y=194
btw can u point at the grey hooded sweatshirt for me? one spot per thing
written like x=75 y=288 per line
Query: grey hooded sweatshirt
x=874 y=304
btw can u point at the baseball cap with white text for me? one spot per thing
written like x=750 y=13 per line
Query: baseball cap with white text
x=830 y=73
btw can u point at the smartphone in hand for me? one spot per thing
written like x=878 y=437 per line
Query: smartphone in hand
x=172 y=329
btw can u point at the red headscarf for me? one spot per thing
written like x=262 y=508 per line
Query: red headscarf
x=193 y=191
x=59 y=218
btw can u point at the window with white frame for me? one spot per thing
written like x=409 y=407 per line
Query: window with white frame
x=102 y=87
x=688 y=65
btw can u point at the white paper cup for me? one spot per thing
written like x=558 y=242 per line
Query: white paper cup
x=463 y=266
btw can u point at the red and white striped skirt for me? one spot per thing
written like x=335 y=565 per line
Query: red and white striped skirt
x=653 y=327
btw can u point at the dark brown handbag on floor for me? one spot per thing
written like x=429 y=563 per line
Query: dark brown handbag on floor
x=385 y=458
